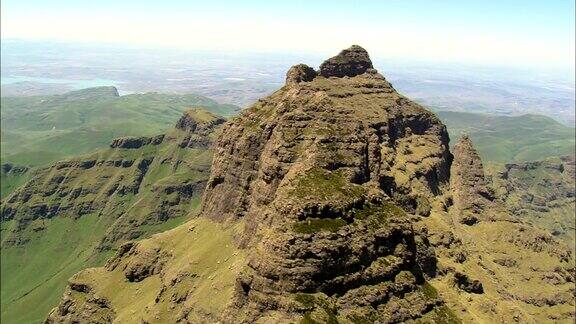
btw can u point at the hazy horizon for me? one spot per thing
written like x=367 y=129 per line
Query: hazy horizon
x=492 y=33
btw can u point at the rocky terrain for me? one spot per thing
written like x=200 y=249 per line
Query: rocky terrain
x=541 y=192
x=335 y=199
x=139 y=186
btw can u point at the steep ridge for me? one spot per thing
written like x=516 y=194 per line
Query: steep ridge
x=332 y=200
x=88 y=206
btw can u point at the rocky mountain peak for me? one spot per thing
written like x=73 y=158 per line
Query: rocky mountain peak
x=349 y=62
x=316 y=172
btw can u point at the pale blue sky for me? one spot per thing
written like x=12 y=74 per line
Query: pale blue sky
x=506 y=32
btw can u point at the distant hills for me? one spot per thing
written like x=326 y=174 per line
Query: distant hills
x=503 y=139
x=42 y=129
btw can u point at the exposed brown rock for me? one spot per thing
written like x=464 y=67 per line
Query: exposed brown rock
x=80 y=305
x=469 y=186
x=313 y=170
x=300 y=73
x=134 y=142
x=350 y=62
x=468 y=285
x=199 y=122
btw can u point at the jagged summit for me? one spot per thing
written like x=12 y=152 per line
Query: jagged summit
x=349 y=62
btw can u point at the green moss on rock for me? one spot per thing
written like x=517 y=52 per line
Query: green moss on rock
x=320 y=183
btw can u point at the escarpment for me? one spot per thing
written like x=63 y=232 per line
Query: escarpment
x=138 y=182
x=331 y=201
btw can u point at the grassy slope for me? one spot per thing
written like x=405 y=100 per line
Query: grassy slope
x=9 y=182
x=43 y=129
x=200 y=251
x=33 y=275
x=504 y=139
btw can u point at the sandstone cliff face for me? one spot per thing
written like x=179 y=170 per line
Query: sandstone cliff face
x=470 y=193
x=359 y=128
x=309 y=169
x=140 y=181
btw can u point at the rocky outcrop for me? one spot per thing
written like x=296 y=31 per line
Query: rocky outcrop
x=199 y=122
x=8 y=169
x=81 y=305
x=540 y=192
x=469 y=186
x=134 y=142
x=350 y=62
x=463 y=282
x=300 y=73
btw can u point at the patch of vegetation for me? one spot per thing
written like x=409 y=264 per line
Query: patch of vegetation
x=323 y=310
x=33 y=276
x=429 y=291
x=307 y=300
x=324 y=184
x=440 y=315
x=357 y=319
x=9 y=182
x=376 y=215
x=203 y=256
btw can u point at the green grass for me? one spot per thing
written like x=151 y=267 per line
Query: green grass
x=505 y=139
x=42 y=129
x=9 y=182
x=33 y=274
x=319 y=183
